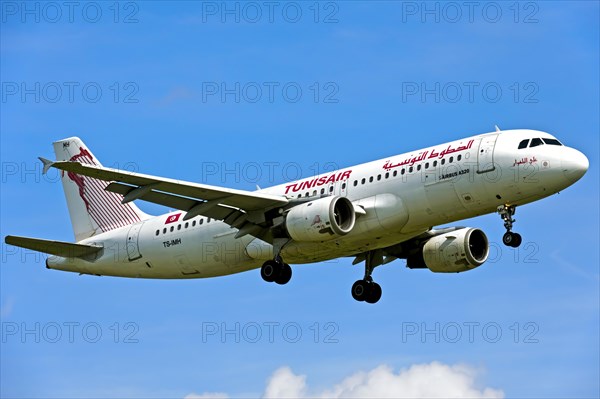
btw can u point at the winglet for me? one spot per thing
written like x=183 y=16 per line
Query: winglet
x=497 y=128
x=47 y=164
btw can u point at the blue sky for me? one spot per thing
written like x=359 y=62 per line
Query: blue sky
x=157 y=66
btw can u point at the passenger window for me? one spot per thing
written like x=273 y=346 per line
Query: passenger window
x=378 y=177
x=363 y=181
x=157 y=232
x=187 y=225
x=323 y=190
x=207 y=220
x=523 y=144
x=403 y=171
x=331 y=189
x=419 y=167
x=395 y=173
x=193 y=223
x=172 y=229
x=434 y=164
x=443 y=161
x=371 y=179
x=451 y=160
x=387 y=175
x=410 y=170
x=314 y=193
x=536 y=142
x=552 y=142
x=200 y=221
x=426 y=165
x=343 y=186
x=355 y=184
x=458 y=158
x=178 y=227
x=165 y=230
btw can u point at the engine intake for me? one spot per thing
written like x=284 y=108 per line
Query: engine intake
x=320 y=220
x=456 y=251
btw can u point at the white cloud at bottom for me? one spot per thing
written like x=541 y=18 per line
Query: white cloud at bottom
x=432 y=380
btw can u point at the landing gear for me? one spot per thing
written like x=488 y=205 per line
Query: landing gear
x=366 y=290
x=276 y=271
x=509 y=238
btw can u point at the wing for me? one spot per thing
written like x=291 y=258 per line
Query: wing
x=241 y=209
x=59 y=248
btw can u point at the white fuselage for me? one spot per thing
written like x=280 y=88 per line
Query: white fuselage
x=402 y=197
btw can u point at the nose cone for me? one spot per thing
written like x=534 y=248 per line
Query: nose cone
x=574 y=165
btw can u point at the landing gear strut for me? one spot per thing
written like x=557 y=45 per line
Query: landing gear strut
x=366 y=289
x=509 y=238
x=276 y=271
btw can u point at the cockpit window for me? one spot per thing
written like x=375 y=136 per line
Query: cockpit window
x=536 y=142
x=552 y=142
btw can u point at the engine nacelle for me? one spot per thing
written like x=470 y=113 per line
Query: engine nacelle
x=321 y=220
x=456 y=251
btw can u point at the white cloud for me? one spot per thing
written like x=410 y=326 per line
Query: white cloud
x=432 y=380
x=176 y=94
x=285 y=384
x=7 y=308
x=207 y=395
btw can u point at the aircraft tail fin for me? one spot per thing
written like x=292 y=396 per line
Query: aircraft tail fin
x=93 y=210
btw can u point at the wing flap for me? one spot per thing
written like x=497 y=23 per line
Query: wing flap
x=59 y=248
x=219 y=212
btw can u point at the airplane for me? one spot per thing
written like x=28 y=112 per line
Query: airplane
x=376 y=212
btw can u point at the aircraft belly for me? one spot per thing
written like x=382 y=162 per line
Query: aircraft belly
x=305 y=252
x=199 y=252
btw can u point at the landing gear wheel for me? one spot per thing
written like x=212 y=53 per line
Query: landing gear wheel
x=507 y=238
x=276 y=271
x=517 y=240
x=269 y=271
x=285 y=274
x=361 y=290
x=511 y=239
x=375 y=293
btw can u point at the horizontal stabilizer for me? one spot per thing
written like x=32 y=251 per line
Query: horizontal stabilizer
x=59 y=248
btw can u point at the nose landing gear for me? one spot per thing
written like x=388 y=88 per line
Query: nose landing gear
x=509 y=238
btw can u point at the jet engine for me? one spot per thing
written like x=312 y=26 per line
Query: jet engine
x=456 y=251
x=320 y=220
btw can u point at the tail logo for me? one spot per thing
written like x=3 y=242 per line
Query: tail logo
x=77 y=179
x=104 y=207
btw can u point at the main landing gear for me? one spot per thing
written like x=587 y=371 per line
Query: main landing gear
x=366 y=289
x=276 y=271
x=509 y=238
